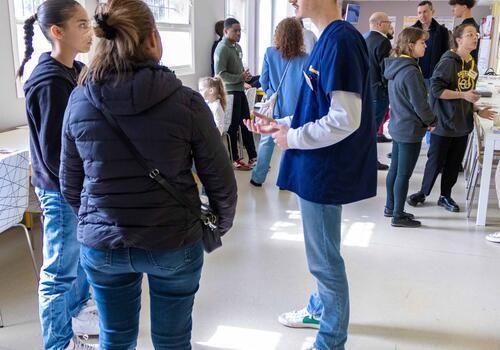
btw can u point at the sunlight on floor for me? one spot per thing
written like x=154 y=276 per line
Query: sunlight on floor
x=358 y=234
x=236 y=338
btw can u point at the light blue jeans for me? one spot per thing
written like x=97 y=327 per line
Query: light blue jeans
x=264 y=155
x=331 y=302
x=63 y=288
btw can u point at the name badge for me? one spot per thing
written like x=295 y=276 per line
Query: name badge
x=472 y=74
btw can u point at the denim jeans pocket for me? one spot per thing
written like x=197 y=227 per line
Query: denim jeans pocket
x=95 y=258
x=177 y=259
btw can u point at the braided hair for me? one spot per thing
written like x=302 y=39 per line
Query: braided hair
x=48 y=14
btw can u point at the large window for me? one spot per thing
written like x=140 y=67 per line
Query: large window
x=174 y=20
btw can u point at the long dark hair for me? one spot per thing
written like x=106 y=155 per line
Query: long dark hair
x=122 y=26
x=48 y=14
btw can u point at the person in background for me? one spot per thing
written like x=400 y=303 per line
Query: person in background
x=411 y=115
x=437 y=44
x=463 y=9
x=453 y=97
x=219 y=31
x=330 y=159
x=379 y=48
x=310 y=38
x=66 y=316
x=212 y=90
x=129 y=225
x=229 y=66
x=283 y=63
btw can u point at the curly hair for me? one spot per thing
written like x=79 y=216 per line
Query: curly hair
x=289 y=39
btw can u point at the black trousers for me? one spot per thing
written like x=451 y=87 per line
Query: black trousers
x=240 y=112
x=444 y=156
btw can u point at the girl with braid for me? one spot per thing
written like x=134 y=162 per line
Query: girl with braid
x=65 y=313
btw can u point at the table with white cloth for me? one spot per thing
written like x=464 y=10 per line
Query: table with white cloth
x=491 y=143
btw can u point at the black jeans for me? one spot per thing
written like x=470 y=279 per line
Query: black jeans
x=240 y=112
x=403 y=161
x=445 y=156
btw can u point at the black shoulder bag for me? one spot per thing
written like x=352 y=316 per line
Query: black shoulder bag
x=211 y=235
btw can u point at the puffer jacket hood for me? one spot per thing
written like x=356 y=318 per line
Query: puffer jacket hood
x=149 y=85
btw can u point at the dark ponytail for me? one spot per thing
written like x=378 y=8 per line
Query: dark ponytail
x=29 y=32
x=48 y=14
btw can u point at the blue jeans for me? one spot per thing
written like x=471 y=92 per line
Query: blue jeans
x=63 y=288
x=404 y=159
x=116 y=278
x=331 y=302
x=264 y=155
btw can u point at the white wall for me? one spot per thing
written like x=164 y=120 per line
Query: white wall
x=12 y=112
x=408 y=8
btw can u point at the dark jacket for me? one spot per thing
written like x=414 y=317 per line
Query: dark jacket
x=118 y=204
x=410 y=111
x=47 y=92
x=379 y=48
x=214 y=46
x=455 y=117
x=437 y=44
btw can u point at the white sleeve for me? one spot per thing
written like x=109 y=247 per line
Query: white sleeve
x=343 y=118
x=219 y=118
x=285 y=121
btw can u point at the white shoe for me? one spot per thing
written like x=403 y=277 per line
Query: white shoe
x=299 y=319
x=87 y=321
x=493 y=237
x=78 y=343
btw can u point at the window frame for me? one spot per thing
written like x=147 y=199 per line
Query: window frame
x=89 y=5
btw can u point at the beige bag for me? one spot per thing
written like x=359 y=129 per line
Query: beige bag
x=268 y=106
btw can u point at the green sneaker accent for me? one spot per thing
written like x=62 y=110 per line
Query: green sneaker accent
x=310 y=320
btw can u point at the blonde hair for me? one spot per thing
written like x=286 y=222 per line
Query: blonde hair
x=217 y=84
x=122 y=26
x=408 y=37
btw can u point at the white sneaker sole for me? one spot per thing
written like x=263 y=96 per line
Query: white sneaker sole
x=285 y=323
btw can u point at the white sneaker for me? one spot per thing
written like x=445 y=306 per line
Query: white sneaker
x=87 y=321
x=493 y=237
x=299 y=319
x=78 y=343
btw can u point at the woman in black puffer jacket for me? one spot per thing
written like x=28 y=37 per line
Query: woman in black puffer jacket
x=128 y=224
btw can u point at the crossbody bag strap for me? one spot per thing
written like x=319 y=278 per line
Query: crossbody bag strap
x=152 y=172
x=283 y=77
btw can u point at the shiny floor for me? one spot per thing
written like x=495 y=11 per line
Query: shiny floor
x=436 y=287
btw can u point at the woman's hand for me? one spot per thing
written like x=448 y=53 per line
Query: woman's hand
x=487 y=113
x=471 y=96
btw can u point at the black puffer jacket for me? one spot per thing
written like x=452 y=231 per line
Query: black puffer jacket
x=118 y=205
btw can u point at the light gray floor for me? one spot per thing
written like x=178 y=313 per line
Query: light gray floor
x=436 y=287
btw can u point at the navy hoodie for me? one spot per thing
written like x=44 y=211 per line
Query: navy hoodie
x=47 y=93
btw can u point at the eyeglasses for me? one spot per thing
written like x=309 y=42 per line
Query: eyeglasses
x=381 y=22
x=472 y=35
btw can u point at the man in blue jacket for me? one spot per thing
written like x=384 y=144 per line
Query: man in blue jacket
x=330 y=159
